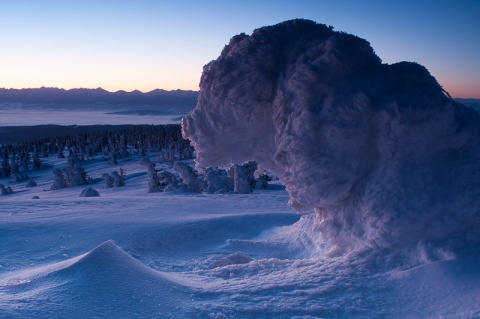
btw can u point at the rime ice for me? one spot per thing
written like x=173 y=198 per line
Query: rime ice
x=381 y=152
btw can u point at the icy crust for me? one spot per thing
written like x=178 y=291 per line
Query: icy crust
x=381 y=152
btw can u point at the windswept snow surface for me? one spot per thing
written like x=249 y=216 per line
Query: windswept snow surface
x=381 y=153
x=134 y=254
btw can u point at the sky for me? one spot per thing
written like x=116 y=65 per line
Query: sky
x=149 y=44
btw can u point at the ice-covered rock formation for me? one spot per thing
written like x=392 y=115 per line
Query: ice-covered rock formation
x=381 y=152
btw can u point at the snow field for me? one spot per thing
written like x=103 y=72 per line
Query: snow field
x=134 y=254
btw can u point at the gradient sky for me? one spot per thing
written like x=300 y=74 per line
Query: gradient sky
x=149 y=44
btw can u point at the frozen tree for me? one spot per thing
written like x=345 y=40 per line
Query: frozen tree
x=79 y=175
x=250 y=169
x=167 y=181
x=153 y=180
x=72 y=157
x=380 y=152
x=262 y=181
x=17 y=174
x=6 y=169
x=113 y=152
x=109 y=180
x=119 y=179
x=217 y=181
x=5 y=190
x=37 y=162
x=31 y=183
x=60 y=148
x=240 y=180
x=58 y=180
x=189 y=176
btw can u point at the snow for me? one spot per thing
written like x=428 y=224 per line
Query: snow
x=135 y=254
x=399 y=242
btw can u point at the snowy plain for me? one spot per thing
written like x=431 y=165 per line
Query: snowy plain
x=134 y=254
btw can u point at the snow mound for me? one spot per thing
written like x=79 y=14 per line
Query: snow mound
x=95 y=279
x=381 y=152
x=89 y=192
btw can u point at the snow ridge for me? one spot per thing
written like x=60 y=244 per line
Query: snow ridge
x=381 y=152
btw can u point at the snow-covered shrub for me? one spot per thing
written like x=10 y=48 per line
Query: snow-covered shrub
x=89 y=192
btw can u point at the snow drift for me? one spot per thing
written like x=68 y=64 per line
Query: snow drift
x=381 y=152
x=62 y=289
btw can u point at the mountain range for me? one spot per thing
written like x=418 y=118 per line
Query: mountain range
x=156 y=101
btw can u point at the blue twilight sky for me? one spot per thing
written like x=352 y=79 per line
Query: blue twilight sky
x=148 y=44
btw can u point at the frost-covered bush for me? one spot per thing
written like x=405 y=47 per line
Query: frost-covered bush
x=381 y=153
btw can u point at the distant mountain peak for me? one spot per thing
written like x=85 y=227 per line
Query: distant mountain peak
x=157 y=99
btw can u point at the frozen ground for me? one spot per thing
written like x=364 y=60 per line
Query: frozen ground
x=131 y=254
